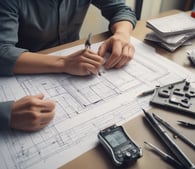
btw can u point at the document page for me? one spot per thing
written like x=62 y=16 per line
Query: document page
x=84 y=105
x=168 y=25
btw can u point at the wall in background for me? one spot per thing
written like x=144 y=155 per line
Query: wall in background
x=154 y=7
x=94 y=23
x=150 y=8
x=172 y=4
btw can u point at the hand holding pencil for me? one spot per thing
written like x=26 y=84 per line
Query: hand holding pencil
x=83 y=62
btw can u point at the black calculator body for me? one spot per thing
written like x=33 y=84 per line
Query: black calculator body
x=119 y=146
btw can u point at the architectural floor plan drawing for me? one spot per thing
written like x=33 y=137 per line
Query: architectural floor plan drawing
x=84 y=105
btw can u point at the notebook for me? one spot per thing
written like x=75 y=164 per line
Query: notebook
x=173 y=24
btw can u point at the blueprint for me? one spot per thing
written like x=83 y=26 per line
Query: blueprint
x=84 y=105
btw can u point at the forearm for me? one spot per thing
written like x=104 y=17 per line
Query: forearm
x=29 y=62
x=123 y=27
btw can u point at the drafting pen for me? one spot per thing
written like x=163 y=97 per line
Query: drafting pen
x=186 y=124
x=182 y=158
x=88 y=45
x=146 y=93
x=165 y=156
x=169 y=127
x=88 y=42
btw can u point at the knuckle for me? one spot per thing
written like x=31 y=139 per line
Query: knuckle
x=34 y=125
x=117 y=41
x=130 y=57
x=82 y=66
x=32 y=108
x=32 y=101
x=53 y=114
x=100 y=60
x=114 y=54
x=125 y=56
x=98 y=66
x=35 y=117
x=53 y=105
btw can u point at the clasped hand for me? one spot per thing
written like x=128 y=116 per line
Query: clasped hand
x=31 y=113
x=120 y=49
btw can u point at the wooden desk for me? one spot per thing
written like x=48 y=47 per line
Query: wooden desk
x=96 y=158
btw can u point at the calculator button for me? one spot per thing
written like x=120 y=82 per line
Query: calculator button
x=127 y=154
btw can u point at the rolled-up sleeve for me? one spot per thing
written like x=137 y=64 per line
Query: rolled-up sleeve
x=115 y=11
x=9 y=52
x=5 y=110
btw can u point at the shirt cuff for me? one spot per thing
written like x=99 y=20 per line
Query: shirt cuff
x=5 y=111
x=132 y=21
x=8 y=58
x=127 y=16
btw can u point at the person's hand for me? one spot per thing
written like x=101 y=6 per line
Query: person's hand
x=83 y=62
x=31 y=113
x=120 y=49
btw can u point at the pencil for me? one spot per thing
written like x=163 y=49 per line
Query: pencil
x=146 y=93
x=174 y=131
x=88 y=42
x=186 y=124
x=165 y=156
x=180 y=155
x=88 y=46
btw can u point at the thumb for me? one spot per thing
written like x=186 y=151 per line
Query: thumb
x=102 y=50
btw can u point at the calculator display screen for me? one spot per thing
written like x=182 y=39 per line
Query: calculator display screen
x=116 y=138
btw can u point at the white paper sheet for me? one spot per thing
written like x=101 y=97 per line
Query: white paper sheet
x=84 y=106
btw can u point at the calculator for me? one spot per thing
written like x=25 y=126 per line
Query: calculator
x=119 y=146
x=178 y=96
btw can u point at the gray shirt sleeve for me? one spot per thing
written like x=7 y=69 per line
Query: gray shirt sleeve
x=5 y=110
x=9 y=52
x=115 y=11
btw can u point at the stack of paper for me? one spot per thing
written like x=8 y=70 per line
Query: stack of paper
x=191 y=56
x=171 y=31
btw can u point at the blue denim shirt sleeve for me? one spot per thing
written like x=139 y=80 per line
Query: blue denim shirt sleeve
x=9 y=53
x=5 y=110
x=115 y=11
